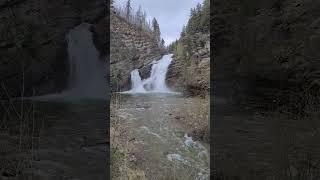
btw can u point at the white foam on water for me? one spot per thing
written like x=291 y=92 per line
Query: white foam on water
x=152 y=133
x=156 y=83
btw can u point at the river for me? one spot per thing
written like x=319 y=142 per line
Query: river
x=149 y=125
x=155 y=137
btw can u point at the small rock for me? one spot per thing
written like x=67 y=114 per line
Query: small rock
x=132 y=139
x=132 y=158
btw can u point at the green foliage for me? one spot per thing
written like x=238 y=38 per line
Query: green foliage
x=199 y=22
x=199 y=18
x=183 y=32
x=173 y=46
x=156 y=30
x=180 y=49
x=137 y=18
x=205 y=19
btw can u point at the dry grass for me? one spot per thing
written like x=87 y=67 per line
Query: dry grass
x=19 y=136
x=121 y=167
x=196 y=117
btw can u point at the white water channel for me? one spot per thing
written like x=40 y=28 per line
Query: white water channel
x=156 y=83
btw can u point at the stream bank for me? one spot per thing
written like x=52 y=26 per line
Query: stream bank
x=151 y=138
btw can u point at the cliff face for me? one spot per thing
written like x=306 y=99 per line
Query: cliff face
x=33 y=50
x=190 y=69
x=192 y=74
x=266 y=48
x=130 y=48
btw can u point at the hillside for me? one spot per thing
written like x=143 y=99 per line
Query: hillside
x=130 y=48
x=190 y=69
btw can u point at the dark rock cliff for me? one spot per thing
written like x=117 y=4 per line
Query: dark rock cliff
x=33 y=50
x=130 y=48
x=266 y=49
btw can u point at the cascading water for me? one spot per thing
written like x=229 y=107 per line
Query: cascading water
x=137 y=85
x=87 y=70
x=156 y=83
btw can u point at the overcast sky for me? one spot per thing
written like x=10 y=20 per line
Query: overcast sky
x=171 y=14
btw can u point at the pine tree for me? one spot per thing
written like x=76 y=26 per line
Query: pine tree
x=198 y=10
x=128 y=10
x=162 y=43
x=156 y=30
x=144 y=20
x=191 y=23
x=183 y=32
x=205 y=19
x=139 y=20
x=198 y=17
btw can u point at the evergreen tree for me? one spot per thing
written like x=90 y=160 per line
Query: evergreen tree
x=128 y=10
x=183 y=32
x=199 y=20
x=191 y=23
x=156 y=30
x=162 y=43
x=198 y=10
x=205 y=19
x=144 y=23
x=139 y=17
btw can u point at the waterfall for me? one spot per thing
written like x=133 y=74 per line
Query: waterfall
x=137 y=85
x=87 y=69
x=156 y=82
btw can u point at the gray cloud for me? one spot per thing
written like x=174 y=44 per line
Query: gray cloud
x=171 y=14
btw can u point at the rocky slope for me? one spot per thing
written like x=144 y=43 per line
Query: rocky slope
x=266 y=48
x=190 y=69
x=130 y=48
x=32 y=41
x=192 y=75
